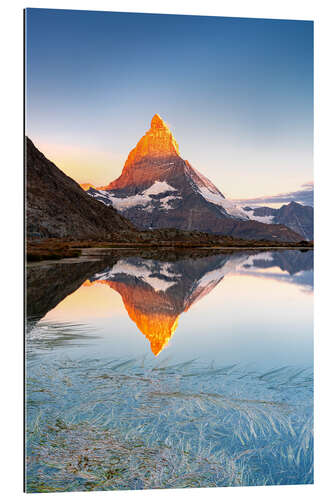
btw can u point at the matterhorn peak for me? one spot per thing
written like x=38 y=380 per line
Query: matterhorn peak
x=158 y=141
x=157 y=122
x=158 y=189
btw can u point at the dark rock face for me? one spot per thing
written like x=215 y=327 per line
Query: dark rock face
x=48 y=284
x=57 y=207
x=158 y=189
x=297 y=217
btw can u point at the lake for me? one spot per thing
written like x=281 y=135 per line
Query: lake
x=151 y=369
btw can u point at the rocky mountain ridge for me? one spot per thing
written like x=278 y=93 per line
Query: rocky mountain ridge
x=158 y=189
x=57 y=207
x=297 y=217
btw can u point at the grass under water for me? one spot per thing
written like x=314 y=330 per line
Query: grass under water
x=103 y=424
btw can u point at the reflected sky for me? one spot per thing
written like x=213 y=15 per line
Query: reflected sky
x=238 y=308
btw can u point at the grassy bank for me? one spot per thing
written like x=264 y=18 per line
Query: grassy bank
x=52 y=249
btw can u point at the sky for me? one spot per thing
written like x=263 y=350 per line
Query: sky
x=236 y=93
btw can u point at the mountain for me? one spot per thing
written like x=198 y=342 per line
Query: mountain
x=158 y=189
x=155 y=293
x=297 y=217
x=57 y=207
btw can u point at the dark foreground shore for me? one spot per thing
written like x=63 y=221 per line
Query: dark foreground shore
x=54 y=249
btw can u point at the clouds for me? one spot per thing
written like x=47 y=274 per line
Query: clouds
x=304 y=196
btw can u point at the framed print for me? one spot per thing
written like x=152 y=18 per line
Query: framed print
x=169 y=251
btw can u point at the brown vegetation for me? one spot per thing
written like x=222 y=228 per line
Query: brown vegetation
x=158 y=239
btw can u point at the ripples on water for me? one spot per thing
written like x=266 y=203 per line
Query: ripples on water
x=167 y=419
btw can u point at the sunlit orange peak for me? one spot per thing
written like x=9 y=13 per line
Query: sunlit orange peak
x=157 y=328
x=151 y=312
x=157 y=122
x=158 y=144
x=148 y=311
x=158 y=141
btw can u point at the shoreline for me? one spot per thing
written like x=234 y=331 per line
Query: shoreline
x=70 y=254
x=215 y=247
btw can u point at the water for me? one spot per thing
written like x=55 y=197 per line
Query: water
x=158 y=370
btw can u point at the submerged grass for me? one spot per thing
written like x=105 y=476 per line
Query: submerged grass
x=133 y=423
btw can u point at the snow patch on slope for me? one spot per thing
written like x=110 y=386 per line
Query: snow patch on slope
x=217 y=199
x=160 y=277
x=158 y=187
x=165 y=202
x=129 y=201
x=212 y=277
x=117 y=202
x=143 y=200
x=251 y=259
x=210 y=193
x=265 y=219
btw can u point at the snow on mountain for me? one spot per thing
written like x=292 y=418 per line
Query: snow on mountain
x=212 y=277
x=211 y=194
x=159 y=277
x=266 y=219
x=158 y=189
x=120 y=204
x=159 y=142
x=165 y=202
x=250 y=260
x=297 y=217
x=146 y=200
x=228 y=206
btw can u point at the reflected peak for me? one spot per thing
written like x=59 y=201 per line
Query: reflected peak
x=156 y=293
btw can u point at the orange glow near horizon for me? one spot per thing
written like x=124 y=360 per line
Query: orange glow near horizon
x=84 y=164
x=87 y=303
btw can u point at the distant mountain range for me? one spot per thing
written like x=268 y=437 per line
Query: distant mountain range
x=297 y=217
x=158 y=189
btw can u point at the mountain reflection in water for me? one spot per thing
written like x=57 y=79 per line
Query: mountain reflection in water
x=155 y=292
x=226 y=400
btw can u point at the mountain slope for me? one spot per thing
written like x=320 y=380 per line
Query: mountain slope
x=297 y=217
x=57 y=207
x=158 y=189
x=155 y=293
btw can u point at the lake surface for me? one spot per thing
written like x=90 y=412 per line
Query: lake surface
x=158 y=370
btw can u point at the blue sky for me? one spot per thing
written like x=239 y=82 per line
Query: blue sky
x=236 y=93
